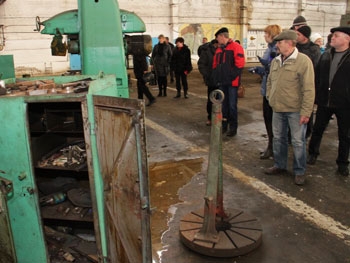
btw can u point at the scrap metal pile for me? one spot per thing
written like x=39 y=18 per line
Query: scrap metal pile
x=70 y=156
x=44 y=86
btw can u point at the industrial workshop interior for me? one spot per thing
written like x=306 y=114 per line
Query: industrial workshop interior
x=91 y=172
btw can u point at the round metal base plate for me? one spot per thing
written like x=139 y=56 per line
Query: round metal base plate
x=238 y=234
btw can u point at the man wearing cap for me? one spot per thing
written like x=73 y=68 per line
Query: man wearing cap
x=291 y=93
x=333 y=97
x=228 y=63
x=305 y=46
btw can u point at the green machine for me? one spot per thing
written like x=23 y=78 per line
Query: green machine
x=92 y=40
x=73 y=169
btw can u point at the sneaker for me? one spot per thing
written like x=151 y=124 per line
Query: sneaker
x=311 y=159
x=186 y=96
x=274 y=170
x=343 y=170
x=299 y=179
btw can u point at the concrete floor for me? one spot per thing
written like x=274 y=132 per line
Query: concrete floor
x=300 y=224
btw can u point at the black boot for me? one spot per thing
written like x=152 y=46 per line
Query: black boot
x=178 y=95
x=185 y=95
x=160 y=92
x=267 y=153
x=164 y=92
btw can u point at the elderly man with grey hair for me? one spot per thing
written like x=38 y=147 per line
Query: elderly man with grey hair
x=291 y=94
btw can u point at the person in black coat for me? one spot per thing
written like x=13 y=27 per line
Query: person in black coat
x=161 y=55
x=172 y=46
x=182 y=66
x=141 y=67
x=205 y=67
x=313 y=51
x=333 y=97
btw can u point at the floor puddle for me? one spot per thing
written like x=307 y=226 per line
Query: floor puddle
x=166 y=178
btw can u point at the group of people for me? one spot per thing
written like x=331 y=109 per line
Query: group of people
x=297 y=74
x=165 y=59
x=176 y=60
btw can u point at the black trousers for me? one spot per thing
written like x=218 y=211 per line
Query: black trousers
x=323 y=115
x=267 y=113
x=143 y=89
x=181 y=78
x=162 y=84
x=209 y=103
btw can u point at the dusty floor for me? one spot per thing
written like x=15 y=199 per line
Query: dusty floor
x=300 y=224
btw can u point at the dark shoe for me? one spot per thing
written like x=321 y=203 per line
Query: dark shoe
x=299 y=179
x=224 y=128
x=231 y=133
x=160 y=94
x=208 y=123
x=343 y=170
x=274 y=170
x=164 y=92
x=311 y=159
x=178 y=95
x=266 y=154
x=151 y=102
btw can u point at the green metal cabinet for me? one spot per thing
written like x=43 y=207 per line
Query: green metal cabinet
x=117 y=171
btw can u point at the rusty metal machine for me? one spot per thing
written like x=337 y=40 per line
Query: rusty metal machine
x=214 y=231
x=73 y=170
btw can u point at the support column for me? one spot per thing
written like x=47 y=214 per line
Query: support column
x=244 y=21
x=174 y=19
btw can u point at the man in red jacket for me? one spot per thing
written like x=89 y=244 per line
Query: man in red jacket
x=228 y=63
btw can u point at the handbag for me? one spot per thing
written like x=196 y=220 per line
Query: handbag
x=148 y=77
x=241 y=91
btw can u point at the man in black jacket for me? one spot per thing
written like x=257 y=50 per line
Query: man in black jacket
x=313 y=51
x=205 y=67
x=141 y=67
x=333 y=97
x=182 y=66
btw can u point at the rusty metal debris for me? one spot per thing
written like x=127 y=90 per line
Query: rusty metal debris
x=71 y=156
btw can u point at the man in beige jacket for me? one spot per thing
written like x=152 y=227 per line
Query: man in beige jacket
x=291 y=94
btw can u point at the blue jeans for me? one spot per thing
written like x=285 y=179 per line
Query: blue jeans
x=229 y=106
x=280 y=123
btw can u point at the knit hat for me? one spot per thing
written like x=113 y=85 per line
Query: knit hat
x=305 y=30
x=299 y=20
x=315 y=36
x=221 y=30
